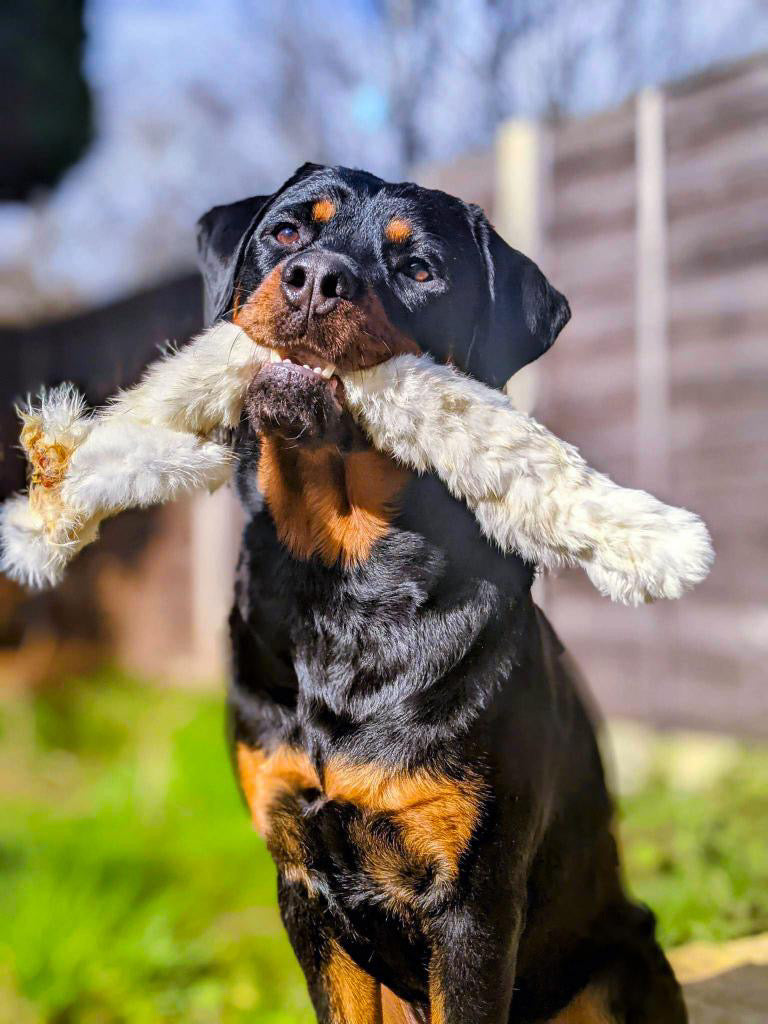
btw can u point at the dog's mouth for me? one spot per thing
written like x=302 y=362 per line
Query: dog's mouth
x=305 y=372
x=298 y=395
x=303 y=360
x=298 y=392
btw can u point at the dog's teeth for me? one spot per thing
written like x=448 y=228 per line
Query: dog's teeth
x=326 y=371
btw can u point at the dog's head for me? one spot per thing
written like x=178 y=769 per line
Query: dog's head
x=339 y=269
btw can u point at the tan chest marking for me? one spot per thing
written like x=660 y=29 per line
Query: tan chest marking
x=326 y=504
x=265 y=780
x=267 y=777
x=436 y=814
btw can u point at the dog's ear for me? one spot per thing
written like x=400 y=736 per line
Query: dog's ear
x=525 y=313
x=222 y=236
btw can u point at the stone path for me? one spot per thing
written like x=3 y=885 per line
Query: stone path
x=725 y=984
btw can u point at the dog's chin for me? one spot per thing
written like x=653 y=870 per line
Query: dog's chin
x=290 y=401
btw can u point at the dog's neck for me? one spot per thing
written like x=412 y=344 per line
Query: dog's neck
x=336 y=504
x=328 y=502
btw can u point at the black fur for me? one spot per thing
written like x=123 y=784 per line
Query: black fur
x=428 y=655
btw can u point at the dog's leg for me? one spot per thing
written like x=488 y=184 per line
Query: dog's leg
x=635 y=983
x=472 y=968
x=351 y=995
x=590 y=1006
x=395 y=1011
x=341 y=992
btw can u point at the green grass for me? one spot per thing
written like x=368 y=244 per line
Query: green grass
x=700 y=859
x=132 y=890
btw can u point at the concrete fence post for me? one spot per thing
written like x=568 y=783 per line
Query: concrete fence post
x=652 y=427
x=655 y=626
x=522 y=164
x=517 y=215
x=216 y=522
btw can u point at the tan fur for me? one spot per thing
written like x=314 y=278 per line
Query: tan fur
x=394 y=1010
x=265 y=777
x=390 y=867
x=327 y=504
x=354 y=335
x=588 y=1007
x=436 y=999
x=437 y=815
x=256 y=315
x=323 y=210
x=353 y=994
x=398 y=231
x=280 y=483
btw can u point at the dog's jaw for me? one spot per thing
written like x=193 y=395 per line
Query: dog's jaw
x=295 y=402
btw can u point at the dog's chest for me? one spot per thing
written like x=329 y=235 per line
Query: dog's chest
x=362 y=832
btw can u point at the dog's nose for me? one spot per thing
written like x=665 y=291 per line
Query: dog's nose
x=314 y=282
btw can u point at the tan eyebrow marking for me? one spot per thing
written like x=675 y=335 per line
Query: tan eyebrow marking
x=323 y=210
x=398 y=230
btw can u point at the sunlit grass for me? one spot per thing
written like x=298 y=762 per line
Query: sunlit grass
x=700 y=859
x=132 y=889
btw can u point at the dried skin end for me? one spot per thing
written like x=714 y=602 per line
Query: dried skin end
x=48 y=466
x=48 y=459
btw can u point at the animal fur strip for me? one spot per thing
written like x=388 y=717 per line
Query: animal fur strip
x=151 y=444
x=529 y=491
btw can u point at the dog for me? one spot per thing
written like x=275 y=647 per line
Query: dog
x=408 y=732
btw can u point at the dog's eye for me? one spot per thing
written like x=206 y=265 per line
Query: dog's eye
x=285 y=234
x=418 y=270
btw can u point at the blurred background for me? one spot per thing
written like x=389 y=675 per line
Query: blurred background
x=621 y=143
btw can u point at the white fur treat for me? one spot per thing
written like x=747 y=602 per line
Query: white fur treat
x=150 y=445
x=530 y=492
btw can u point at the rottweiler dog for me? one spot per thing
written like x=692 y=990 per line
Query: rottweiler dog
x=407 y=730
